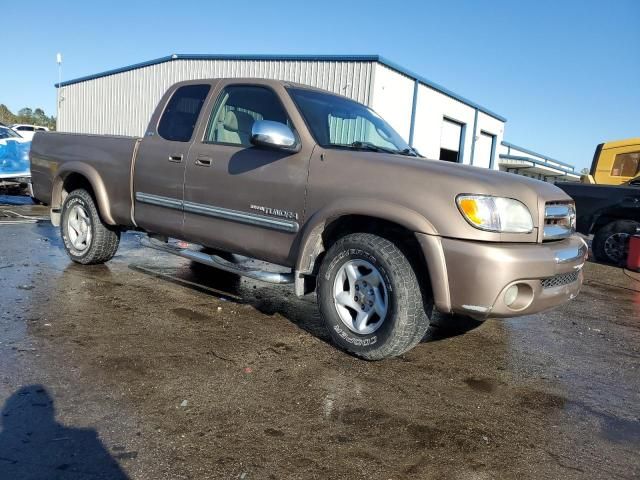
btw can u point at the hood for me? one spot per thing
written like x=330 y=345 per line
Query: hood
x=484 y=180
x=430 y=188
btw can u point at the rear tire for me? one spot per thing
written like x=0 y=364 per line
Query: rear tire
x=611 y=242
x=86 y=238
x=370 y=297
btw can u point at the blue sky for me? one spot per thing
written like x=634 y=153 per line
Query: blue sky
x=566 y=74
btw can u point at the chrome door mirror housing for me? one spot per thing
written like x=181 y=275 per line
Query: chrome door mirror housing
x=267 y=133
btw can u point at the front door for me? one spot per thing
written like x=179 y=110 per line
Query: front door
x=239 y=197
x=158 y=181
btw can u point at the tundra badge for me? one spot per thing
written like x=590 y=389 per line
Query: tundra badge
x=275 y=212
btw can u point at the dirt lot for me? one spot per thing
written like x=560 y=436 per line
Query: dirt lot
x=151 y=367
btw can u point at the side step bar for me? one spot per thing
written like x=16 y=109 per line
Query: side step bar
x=220 y=263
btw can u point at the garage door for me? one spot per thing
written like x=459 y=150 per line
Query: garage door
x=484 y=149
x=450 y=141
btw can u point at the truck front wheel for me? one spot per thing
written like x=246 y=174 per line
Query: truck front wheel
x=86 y=238
x=611 y=242
x=370 y=297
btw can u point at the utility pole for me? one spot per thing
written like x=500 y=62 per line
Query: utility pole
x=59 y=62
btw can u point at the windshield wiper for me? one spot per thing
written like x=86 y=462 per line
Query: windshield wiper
x=371 y=146
x=409 y=151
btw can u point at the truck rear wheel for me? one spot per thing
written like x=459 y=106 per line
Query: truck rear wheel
x=86 y=238
x=370 y=297
x=611 y=242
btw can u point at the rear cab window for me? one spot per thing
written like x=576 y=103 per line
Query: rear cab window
x=626 y=165
x=181 y=114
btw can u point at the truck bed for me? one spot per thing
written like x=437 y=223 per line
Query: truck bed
x=110 y=155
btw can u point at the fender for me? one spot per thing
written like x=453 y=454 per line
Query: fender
x=93 y=177
x=311 y=241
x=311 y=245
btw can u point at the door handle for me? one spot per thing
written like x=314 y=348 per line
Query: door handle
x=204 y=161
x=175 y=158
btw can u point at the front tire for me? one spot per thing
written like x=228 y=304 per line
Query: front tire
x=370 y=297
x=611 y=242
x=86 y=238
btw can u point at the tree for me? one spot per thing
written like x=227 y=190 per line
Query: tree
x=27 y=115
x=6 y=116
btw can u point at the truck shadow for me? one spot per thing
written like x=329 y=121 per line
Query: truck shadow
x=447 y=326
x=273 y=299
x=34 y=445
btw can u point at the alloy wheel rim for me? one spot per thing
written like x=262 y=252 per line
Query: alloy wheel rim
x=79 y=228
x=360 y=296
x=615 y=246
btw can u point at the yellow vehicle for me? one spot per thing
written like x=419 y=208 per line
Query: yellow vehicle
x=615 y=163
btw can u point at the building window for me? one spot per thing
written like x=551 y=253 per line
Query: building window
x=626 y=165
x=451 y=140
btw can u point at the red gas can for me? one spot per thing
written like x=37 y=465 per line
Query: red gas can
x=633 y=260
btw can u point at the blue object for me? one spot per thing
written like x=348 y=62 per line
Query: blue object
x=14 y=158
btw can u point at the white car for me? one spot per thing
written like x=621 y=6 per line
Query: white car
x=28 y=131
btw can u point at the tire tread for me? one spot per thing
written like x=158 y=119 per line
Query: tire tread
x=106 y=239
x=411 y=328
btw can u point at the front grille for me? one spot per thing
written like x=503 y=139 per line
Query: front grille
x=559 y=280
x=559 y=221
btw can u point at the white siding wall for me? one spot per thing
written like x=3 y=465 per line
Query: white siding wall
x=121 y=104
x=431 y=108
x=392 y=98
x=494 y=127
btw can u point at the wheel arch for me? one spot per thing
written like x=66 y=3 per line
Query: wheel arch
x=609 y=216
x=392 y=221
x=327 y=221
x=75 y=175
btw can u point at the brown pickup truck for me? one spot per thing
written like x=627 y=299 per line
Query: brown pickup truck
x=326 y=190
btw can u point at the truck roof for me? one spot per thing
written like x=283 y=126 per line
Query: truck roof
x=622 y=143
x=260 y=81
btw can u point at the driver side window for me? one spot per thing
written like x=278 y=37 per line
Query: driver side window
x=237 y=108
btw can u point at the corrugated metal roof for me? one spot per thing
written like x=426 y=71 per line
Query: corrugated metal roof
x=319 y=58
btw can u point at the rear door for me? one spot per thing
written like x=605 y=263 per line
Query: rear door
x=158 y=182
x=239 y=197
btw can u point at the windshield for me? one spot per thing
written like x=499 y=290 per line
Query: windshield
x=337 y=122
x=8 y=133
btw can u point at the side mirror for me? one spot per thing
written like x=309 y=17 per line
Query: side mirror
x=266 y=133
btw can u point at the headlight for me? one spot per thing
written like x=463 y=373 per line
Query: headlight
x=495 y=214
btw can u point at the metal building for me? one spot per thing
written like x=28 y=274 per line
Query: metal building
x=438 y=122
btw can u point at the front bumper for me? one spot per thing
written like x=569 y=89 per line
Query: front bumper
x=476 y=275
